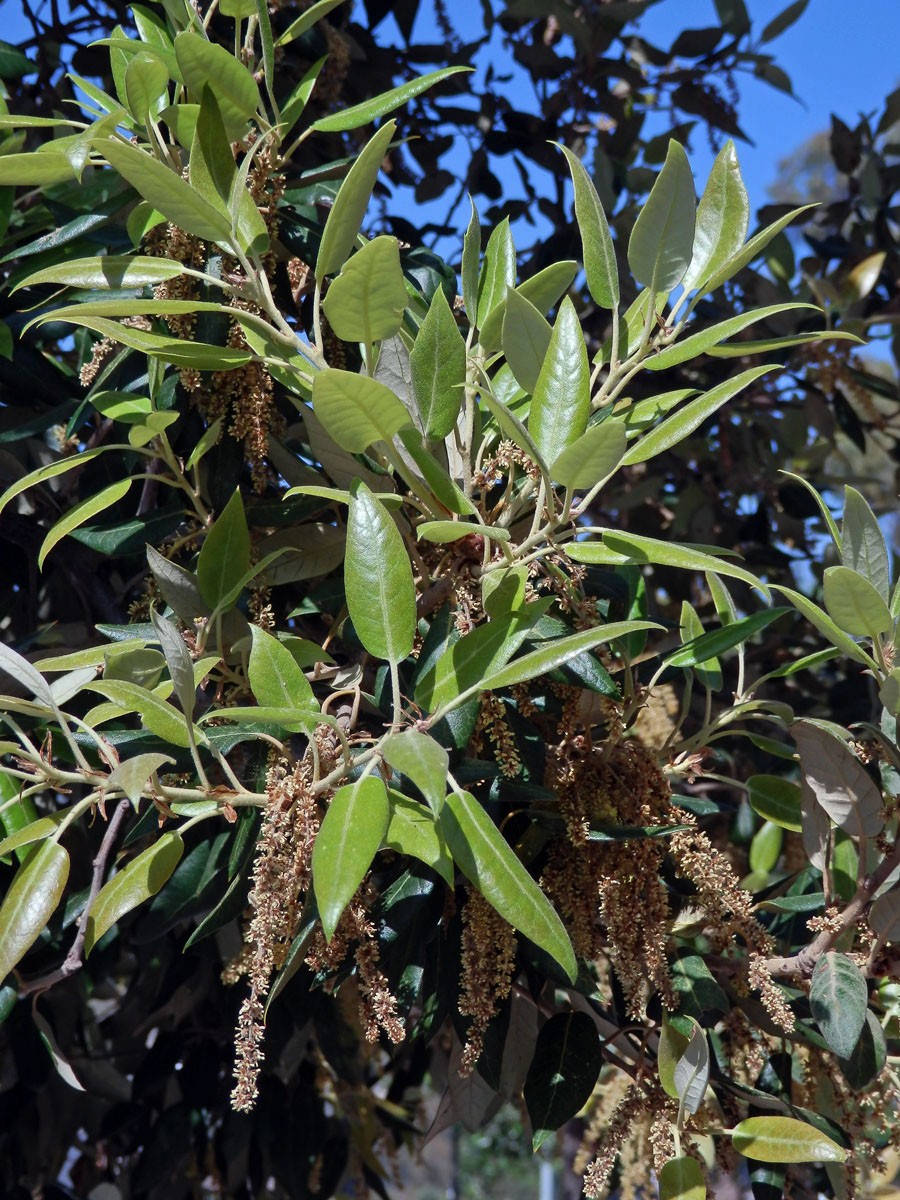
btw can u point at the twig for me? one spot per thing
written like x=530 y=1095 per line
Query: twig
x=73 y=961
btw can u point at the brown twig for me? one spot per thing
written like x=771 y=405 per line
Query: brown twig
x=73 y=961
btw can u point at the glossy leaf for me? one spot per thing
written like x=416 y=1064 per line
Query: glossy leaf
x=838 y=998
x=146 y=81
x=488 y=862
x=225 y=553
x=203 y=356
x=526 y=336
x=682 y=1179
x=107 y=271
x=275 y=678
x=722 y=218
x=47 y=471
x=784 y=1140
x=379 y=106
x=869 y=1055
x=854 y=604
x=643 y=549
x=751 y=250
x=471 y=255
x=562 y=395
x=378 y=579
x=31 y=900
x=349 y=208
x=423 y=760
x=542 y=290
x=677 y=427
x=863 y=546
x=598 y=251
x=821 y=621
x=566 y=1063
x=451 y=531
x=593 y=457
x=178 y=660
x=28 y=834
x=839 y=781
x=691 y=1075
x=133 y=774
x=351 y=832
x=741 y=349
x=412 y=830
x=659 y=249
x=777 y=800
x=672 y=1044
x=700 y=343
x=37 y=169
x=717 y=641
x=355 y=410
x=132 y=886
x=206 y=64
x=156 y=715
x=765 y=848
x=82 y=512
x=366 y=301
x=438 y=366
x=498 y=271
x=446 y=490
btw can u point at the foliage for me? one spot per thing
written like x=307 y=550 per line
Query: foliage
x=407 y=741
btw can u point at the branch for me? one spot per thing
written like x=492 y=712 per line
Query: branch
x=73 y=961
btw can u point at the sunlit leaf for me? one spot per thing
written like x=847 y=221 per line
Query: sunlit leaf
x=33 y=895
x=136 y=882
x=351 y=832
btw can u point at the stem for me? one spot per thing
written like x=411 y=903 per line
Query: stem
x=395 y=695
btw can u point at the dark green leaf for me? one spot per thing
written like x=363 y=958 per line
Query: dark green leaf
x=379 y=106
x=566 y=1064
x=438 y=365
x=350 y=835
x=33 y=895
x=225 y=553
x=597 y=248
x=838 y=997
x=562 y=397
x=135 y=883
x=659 y=249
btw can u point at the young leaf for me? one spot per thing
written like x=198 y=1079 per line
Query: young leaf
x=156 y=715
x=566 y=1063
x=676 y=428
x=826 y=626
x=379 y=106
x=593 y=457
x=306 y=20
x=421 y=758
x=130 y=887
x=132 y=774
x=438 y=365
x=350 y=204
x=146 y=81
x=784 y=1140
x=274 y=676
x=351 y=833
x=355 y=410
x=366 y=301
x=855 y=604
x=750 y=250
x=212 y=167
x=542 y=291
x=471 y=254
x=722 y=218
x=225 y=553
x=498 y=271
x=862 y=543
x=123 y=271
x=710 y=645
x=838 y=997
x=413 y=830
x=82 y=512
x=378 y=579
x=659 y=249
x=682 y=1179
x=643 y=549
x=598 y=251
x=33 y=895
x=839 y=781
x=206 y=64
x=179 y=662
x=293 y=107
x=691 y=1075
x=443 y=532
x=486 y=859
x=526 y=335
x=562 y=395
x=700 y=343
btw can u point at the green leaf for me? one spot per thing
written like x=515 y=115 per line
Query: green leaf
x=839 y=781
x=884 y=916
x=717 y=641
x=274 y=676
x=205 y=64
x=784 y=20
x=869 y=1055
x=212 y=167
x=742 y=349
x=598 y=251
x=565 y=1067
x=471 y=255
x=659 y=249
x=366 y=301
x=293 y=107
x=525 y=338
x=107 y=271
x=750 y=250
x=855 y=604
x=672 y=1044
x=37 y=169
x=306 y=20
x=682 y=1179
x=784 y=1140
x=722 y=218
x=130 y=887
x=593 y=457
x=156 y=715
x=413 y=830
x=33 y=895
x=488 y=862
x=179 y=662
x=438 y=365
x=696 y=988
x=542 y=291
x=826 y=626
x=691 y=1074
x=378 y=579
x=166 y=191
x=642 y=549
x=133 y=774
x=351 y=832
x=203 y=356
x=700 y=343
x=830 y=524
x=379 y=106
x=225 y=553
x=80 y=513
x=451 y=531
x=34 y=831
x=445 y=489
x=48 y=471
x=862 y=543
x=423 y=760
x=562 y=395
x=511 y=427
x=355 y=410
x=676 y=428
x=765 y=848
x=146 y=82
x=776 y=800
x=350 y=204
x=498 y=271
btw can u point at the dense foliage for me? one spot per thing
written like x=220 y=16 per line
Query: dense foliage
x=407 y=686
